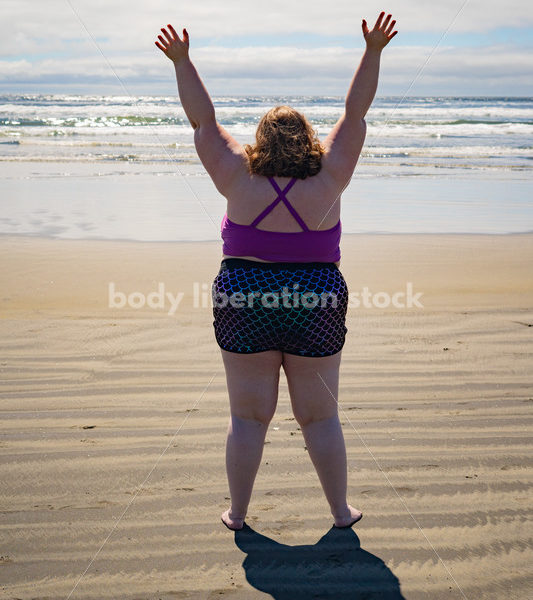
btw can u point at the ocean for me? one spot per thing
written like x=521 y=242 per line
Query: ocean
x=118 y=167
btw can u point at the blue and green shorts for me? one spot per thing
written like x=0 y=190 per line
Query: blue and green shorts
x=298 y=308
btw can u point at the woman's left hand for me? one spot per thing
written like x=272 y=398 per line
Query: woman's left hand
x=171 y=44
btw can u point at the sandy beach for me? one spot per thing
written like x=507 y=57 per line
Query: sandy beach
x=114 y=424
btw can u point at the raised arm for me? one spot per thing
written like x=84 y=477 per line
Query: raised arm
x=194 y=97
x=365 y=81
x=222 y=156
x=345 y=141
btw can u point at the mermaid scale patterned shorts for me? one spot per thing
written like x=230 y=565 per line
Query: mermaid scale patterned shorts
x=298 y=308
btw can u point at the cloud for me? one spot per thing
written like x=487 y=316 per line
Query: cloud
x=30 y=27
x=302 y=70
x=53 y=42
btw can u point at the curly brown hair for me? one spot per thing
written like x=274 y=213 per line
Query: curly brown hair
x=286 y=145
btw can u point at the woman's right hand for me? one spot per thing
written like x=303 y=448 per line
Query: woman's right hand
x=381 y=35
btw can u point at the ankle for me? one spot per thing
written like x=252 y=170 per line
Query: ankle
x=340 y=512
x=236 y=514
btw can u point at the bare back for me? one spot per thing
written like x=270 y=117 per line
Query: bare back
x=313 y=198
x=316 y=198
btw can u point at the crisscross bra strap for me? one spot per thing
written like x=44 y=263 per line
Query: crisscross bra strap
x=281 y=196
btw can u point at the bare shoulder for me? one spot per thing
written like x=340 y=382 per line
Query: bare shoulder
x=343 y=147
x=223 y=157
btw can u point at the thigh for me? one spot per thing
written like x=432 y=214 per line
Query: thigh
x=313 y=386
x=253 y=381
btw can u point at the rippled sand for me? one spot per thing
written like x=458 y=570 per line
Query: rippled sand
x=114 y=423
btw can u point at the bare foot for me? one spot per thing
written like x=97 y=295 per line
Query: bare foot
x=351 y=516
x=231 y=522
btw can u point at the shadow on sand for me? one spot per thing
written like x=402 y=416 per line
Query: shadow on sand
x=335 y=567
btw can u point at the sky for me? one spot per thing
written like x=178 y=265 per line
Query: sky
x=447 y=48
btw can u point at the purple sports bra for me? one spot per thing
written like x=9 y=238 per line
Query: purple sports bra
x=296 y=246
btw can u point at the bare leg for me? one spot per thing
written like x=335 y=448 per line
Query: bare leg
x=313 y=386
x=325 y=443
x=244 y=449
x=253 y=391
